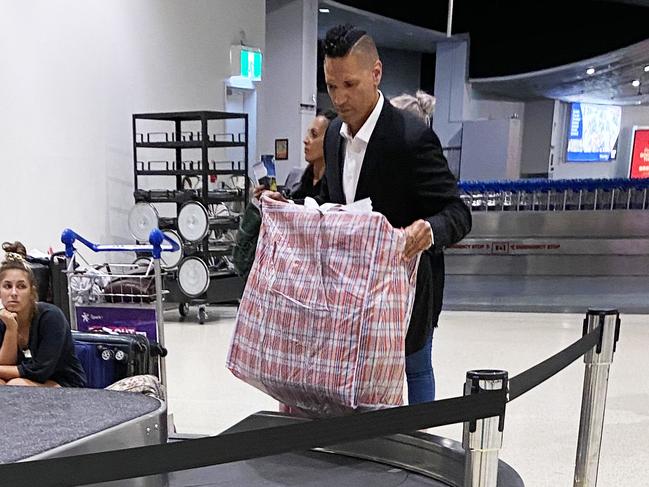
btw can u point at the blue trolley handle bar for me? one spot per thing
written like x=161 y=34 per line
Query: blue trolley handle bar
x=156 y=237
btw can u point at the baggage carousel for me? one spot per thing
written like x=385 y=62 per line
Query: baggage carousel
x=405 y=460
x=41 y=423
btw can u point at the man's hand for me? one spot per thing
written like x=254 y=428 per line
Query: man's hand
x=261 y=190
x=9 y=319
x=418 y=239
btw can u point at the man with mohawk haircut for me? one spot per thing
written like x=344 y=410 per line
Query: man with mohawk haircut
x=373 y=150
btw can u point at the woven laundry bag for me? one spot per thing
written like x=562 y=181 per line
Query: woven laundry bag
x=322 y=322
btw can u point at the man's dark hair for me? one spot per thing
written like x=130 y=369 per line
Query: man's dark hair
x=340 y=40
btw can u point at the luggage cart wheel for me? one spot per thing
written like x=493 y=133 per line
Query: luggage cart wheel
x=183 y=309
x=202 y=314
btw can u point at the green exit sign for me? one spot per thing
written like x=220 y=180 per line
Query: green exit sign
x=251 y=64
x=246 y=62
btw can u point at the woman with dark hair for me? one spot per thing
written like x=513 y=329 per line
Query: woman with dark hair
x=310 y=178
x=36 y=347
x=299 y=184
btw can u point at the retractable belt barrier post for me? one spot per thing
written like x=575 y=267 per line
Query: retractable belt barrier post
x=593 y=402
x=483 y=438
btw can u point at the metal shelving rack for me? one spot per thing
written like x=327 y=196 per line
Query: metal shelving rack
x=180 y=132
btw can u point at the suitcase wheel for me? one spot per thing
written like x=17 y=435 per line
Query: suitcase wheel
x=106 y=353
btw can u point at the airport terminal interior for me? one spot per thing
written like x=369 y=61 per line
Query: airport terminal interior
x=133 y=136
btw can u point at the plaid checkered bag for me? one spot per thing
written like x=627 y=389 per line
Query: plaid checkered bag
x=322 y=321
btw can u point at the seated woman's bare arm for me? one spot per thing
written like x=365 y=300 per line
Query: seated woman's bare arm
x=9 y=345
x=8 y=372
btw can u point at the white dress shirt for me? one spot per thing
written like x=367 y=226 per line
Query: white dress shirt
x=355 y=147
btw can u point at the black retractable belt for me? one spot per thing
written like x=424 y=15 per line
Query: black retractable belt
x=532 y=377
x=152 y=460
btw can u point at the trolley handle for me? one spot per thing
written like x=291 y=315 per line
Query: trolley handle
x=156 y=237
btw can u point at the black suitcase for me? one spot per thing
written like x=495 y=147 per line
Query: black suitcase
x=41 y=273
x=107 y=358
x=59 y=283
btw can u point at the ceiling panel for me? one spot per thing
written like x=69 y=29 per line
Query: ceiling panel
x=386 y=32
x=614 y=71
x=611 y=83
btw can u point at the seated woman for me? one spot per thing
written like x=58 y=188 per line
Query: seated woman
x=36 y=347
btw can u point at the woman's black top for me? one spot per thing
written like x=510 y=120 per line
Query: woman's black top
x=306 y=187
x=50 y=354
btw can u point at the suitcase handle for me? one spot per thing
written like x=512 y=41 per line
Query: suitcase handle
x=158 y=350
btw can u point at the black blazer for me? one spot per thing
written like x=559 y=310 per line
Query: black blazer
x=406 y=175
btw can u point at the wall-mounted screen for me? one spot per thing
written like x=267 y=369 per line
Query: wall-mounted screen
x=593 y=132
x=640 y=153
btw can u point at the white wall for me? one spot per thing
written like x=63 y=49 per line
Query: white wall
x=290 y=80
x=451 y=68
x=491 y=149
x=73 y=73
x=457 y=104
x=635 y=115
x=586 y=170
x=480 y=109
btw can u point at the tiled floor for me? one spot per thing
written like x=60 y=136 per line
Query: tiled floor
x=541 y=426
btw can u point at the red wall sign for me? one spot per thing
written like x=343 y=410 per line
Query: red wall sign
x=640 y=154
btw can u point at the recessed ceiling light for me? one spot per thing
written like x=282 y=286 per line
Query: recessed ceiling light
x=646 y=68
x=590 y=71
x=323 y=10
x=635 y=82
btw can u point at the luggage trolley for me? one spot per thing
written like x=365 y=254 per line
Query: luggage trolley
x=119 y=298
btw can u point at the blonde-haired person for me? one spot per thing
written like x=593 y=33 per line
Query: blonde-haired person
x=422 y=104
x=36 y=347
x=419 y=365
